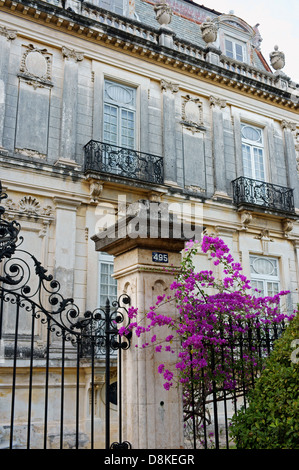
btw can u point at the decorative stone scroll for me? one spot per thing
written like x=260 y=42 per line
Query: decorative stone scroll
x=217 y=102
x=169 y=86
x=71 y=54
x=246 y=219
x=96 y=189
x=288 y=125
x=8 y=33
x=287 y=226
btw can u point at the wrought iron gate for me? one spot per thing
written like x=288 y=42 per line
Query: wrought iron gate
x=55 y=362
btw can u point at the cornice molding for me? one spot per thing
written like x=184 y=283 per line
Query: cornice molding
x=131 y=37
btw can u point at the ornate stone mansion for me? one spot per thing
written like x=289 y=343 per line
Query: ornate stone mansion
x=108 y=103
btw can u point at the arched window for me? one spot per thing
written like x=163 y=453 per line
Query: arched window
x=253 y=152
x=264 y=275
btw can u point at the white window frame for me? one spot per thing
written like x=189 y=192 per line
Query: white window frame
x=105 y=259
x=120 y=109
x=262 y=281
x=236 y=42
x=256 y=150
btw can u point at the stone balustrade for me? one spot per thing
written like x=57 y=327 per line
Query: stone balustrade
x=259 y=80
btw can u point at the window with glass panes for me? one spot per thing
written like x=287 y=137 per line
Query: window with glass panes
x=235 y=49
x=107 y=284
x=264 y=275
x=117 y=6
x=253 y=152
x=119 y=115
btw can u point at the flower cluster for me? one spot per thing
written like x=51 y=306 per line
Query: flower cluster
x=214 y=315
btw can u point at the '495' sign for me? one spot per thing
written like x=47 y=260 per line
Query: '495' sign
x=159 y=257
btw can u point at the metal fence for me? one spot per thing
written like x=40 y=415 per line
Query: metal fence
x=211 y=401
x=270 y=196
x=56 y=362
x=123 y=162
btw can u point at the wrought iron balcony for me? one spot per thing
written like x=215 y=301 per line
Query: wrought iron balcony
x=106 y=158
x=250 y=192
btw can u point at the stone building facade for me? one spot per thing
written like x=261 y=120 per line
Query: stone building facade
x=107 y=103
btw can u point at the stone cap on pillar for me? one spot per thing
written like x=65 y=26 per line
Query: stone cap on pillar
x=145 y=228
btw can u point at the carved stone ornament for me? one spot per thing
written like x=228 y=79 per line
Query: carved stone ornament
x=214 y=101
x=96 y=190
x=246 y=219
x=209 y=30
x=292 y=126
x=277 y=59
x=36 y=63
x=29 y=206
x=287 y=226
x=28 y=152
x=8 y=33
x=192 y=113
x=265 y=238
x=163 y=13
x=169 y=86
x=72 y=54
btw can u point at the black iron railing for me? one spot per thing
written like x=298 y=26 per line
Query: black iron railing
x=34 y=315
x=253 y=192
x=119 y=161
x=209 y=405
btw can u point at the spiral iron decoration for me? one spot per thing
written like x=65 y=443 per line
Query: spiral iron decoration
x=9 y=232
x=25 y=281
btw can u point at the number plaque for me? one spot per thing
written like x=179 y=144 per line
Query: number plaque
x=159 y=257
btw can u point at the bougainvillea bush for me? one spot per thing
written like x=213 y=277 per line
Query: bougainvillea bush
x=220 y=325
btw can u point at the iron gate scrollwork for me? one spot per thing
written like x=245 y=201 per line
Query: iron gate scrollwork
x=36 y=361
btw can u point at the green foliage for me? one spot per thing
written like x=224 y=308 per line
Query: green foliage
x=271 y=421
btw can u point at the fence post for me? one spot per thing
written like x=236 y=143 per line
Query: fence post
x=152 y=416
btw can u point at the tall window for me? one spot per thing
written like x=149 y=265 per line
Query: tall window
x=264 y=275
x=253 y=152
x=108 y=285
x=235 y=49
x=119 y=115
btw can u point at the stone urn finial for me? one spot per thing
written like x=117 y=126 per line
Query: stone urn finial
x=208 y=30
x=277 y=59
x=163 y=13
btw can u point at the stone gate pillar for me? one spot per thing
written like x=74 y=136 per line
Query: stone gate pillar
x=152 y=416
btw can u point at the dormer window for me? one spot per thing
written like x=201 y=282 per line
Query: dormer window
x=236 y=38
x=235 y=49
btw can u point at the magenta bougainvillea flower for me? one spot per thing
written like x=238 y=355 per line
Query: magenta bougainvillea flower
x=214 y=313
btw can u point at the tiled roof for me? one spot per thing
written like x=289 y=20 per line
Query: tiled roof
x=185 y=23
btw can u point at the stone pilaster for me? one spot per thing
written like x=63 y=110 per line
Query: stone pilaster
x=290 y=157
x=218 y=146
x=6 y=36
x=65 y=243
x=169 y=91
x=69 y=104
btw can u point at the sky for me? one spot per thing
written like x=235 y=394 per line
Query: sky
x=279 y=25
